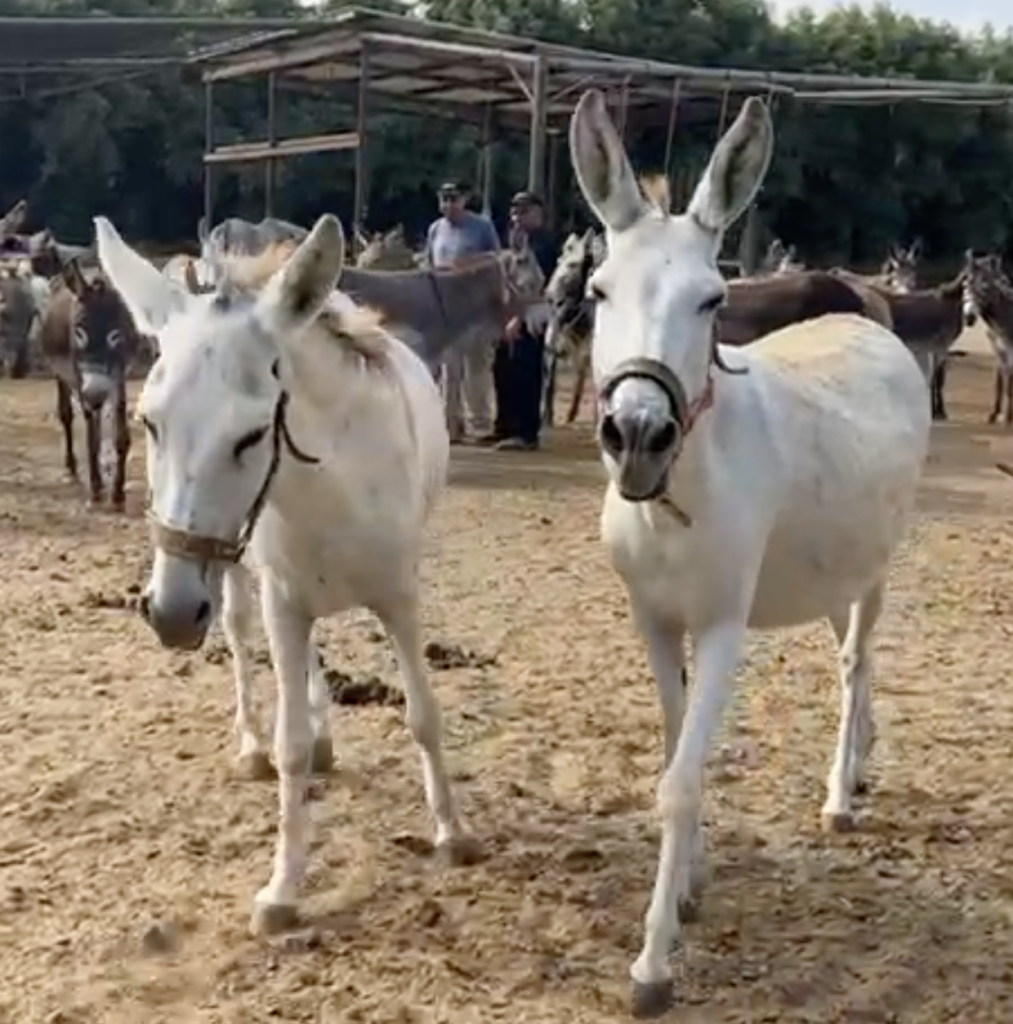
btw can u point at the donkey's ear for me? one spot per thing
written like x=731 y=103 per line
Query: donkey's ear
x=300 y=290
x=202 y=230
x=603 y=170
x=11 y=221
x=150 y=297
x=736 y=169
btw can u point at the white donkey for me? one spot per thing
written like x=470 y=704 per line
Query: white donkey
x=766 y=496
x=281 y=416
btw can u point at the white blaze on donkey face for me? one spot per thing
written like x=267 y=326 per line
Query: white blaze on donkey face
x=783 y=489
x=658 y=290
x=219 y=361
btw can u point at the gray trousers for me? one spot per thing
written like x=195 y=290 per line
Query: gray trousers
x=467 y=385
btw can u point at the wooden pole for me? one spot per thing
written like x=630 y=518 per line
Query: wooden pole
x=488 y=135
x=209 y=144
x=550 y=187
x=536 y=146
x=362 y=153
x=270 y=165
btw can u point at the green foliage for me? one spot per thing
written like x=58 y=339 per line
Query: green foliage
x=845 y=182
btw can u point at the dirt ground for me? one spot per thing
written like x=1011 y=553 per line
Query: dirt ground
x=130 y=852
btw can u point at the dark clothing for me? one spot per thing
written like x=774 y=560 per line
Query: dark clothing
x=543 y=245
x=519 y=367
x=518 y=372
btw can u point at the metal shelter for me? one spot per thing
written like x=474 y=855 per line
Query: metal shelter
x=381 y=62
x=50 y=56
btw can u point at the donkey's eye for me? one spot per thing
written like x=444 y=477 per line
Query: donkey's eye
x=247 y=441
x=711 y=304
x=150 y=428
x=80 y=337
x=596 y=292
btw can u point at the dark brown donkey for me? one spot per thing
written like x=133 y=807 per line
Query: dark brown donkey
x=89 y=342
x=929 y=321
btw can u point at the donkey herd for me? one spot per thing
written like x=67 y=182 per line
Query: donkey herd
x=755 y=486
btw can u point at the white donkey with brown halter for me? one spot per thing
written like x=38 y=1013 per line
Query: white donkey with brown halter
x=768 y=496
x=278 y=417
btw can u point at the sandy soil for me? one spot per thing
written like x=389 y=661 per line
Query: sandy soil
x=130 y=852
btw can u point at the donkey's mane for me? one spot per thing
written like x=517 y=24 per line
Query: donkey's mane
x=357 y=327
x=657 y=191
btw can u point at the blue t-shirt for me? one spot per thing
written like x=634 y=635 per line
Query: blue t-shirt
x=470 y=236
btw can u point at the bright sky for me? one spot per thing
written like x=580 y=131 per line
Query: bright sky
x=968 y=15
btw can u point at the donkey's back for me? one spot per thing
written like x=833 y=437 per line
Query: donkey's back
x=846 y=414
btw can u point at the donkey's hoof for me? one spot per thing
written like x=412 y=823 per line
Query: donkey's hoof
x=461 y=852
x=273 y=918
x=322 y=756
x=838 y=821
x=651 y=999
x=255 y=767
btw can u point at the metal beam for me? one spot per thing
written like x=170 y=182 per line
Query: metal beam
x=362 y=153
x=254 y=152
x=536 y=144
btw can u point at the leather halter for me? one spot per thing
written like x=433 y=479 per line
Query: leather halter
x=195 y=547
x=685 y=412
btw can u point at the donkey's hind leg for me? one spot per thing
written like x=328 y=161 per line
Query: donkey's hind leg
x=322 y=751
x=857 y=731
x=401 y=620
x=237 y=619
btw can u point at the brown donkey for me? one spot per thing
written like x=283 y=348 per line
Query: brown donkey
x=89 y=342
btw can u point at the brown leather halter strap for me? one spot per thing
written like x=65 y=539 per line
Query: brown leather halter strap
x=196 y=548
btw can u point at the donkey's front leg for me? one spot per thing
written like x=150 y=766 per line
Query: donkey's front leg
x=288 y=634
x=667 y=657
x=93 y=440
x=718 y=650
x=237 y=620
x=65 y=414
x=122 y=428
x=401 y=620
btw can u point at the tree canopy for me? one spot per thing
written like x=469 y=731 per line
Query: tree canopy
x=845 y=182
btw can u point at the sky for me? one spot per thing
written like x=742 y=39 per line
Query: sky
x=967 y=15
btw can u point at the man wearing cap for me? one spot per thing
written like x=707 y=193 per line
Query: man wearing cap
x=456 y=237
x=519 y=368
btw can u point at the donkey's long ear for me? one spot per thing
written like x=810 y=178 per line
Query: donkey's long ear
x=736 y=169
x=11 y=221
x=599 y=161
x=203 y=230
x=300 y=290
x=151 y=298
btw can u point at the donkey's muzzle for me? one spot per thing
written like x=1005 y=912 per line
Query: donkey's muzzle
x=643 y=444
x=180 y=621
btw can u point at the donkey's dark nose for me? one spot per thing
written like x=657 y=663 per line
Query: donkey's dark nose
x=642 y=442
x=628 y=431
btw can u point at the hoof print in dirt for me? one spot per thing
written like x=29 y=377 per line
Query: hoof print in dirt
x=347 y=690
x=98 y=599
x=583 y=858
x=417 y=845
x=441 y=657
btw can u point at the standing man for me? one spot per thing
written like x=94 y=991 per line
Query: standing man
x=456 y=237
x=519 y=368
